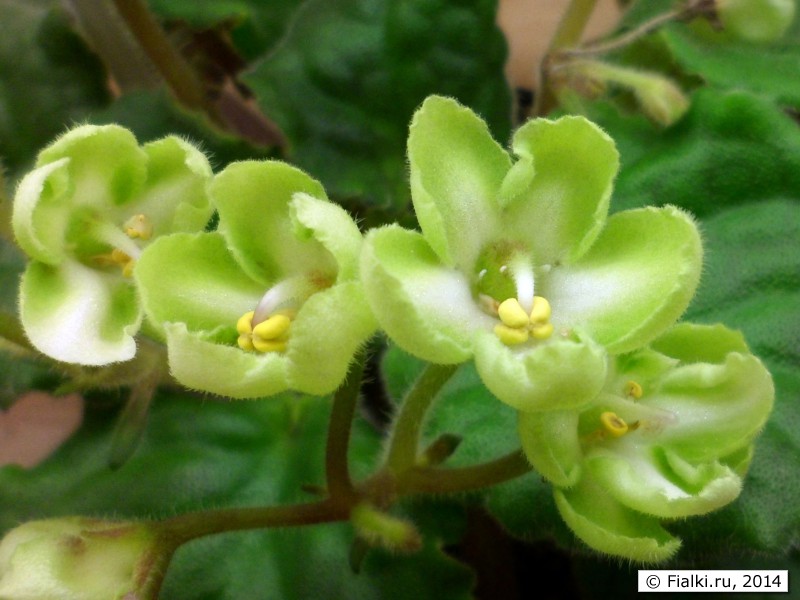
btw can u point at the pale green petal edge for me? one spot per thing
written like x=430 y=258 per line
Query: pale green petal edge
x=642 y=485
x=608 y=527
x=194 y=279
x=329 y=329
x=558 y=207
x=202 y=364
x=79 y=315
x=633 y=319
x=332 y=227
x=253 y=199
x=551 y=444
x=47 y=245
x=456 y=170
x=397 y=267
x=556 y=374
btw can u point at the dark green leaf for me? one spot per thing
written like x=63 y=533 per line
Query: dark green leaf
x=348 y=76
x=48 y=79
x=208 y=454
x=730 y=148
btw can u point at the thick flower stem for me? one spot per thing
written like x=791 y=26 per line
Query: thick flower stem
x=345 y=401
x=431 y=480
x=568 y=34
x=404 y=442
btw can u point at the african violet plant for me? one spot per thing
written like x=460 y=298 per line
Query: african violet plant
x=553 y=335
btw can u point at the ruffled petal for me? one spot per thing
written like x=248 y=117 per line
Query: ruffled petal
x=329 y=329
x=718 y=408
x=425 y=307
x=608 y=526
x=456 y=173
x=253 y=201
x=175 y=195
x=40 y=218
x=693 y=342
x=199 y=362
x=79 y=315
x=194 y=279
x=645 y=480
x=560 y=205
x=558 y=374
x=634 y=282
x=331 y=226
x=551 y=444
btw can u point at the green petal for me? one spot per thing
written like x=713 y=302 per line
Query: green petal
x=634 y=282
x=456 y=173
x=559 y=210
x=718 y=408
x=691 y=342
x=329 y=329
x=643 y=479
x=193 y=279
x=425 y=307
x=332 y=227
x=199 y=363
x=106 y=165
x=551 y=444
x=175 y=195
x=557 y=374
x=608 y=526
x=79 y=315
x=253 y=202
x=41 y=212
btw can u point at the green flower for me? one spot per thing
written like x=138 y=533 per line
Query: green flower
x=75 y=558
x=94 y=199
x=669 y=436
x=269 y=302
x=517 y=264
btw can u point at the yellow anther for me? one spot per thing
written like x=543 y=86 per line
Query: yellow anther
x=542 y=331
x=509 y=335
x=138 y=226
x=269 y=345
x=633 y=389
x=127 y=268
x=512 y=314
x=119 y=257
x=540 y=313
x=245 y=323
x=272 y=328
x=246 y=342
x=613 y=424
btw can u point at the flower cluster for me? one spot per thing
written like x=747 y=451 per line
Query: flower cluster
x=567 y=312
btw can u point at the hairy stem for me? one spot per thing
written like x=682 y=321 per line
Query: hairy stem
x=345 y=401
x=567 y=34
x=404 y=442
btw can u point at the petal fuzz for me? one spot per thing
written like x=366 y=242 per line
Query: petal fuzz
x=558 y=374
x=425 y=307
x=202 y=364
x=456 y=173
x=561 y=208
x=551 y=444
x=634 y=282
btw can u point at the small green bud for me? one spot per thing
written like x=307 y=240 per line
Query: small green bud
x=77 y=558
x=380 y=529
x=759 y=21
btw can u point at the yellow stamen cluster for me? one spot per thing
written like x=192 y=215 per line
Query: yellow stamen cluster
x=138 y=226
x=517 y=325
x=270 y=335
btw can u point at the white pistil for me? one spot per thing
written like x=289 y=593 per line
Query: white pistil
x=285 y=295
x=522 y=272
x=117 y=239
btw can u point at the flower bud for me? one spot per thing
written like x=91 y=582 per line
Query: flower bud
x=756 y=20
x=77 y=558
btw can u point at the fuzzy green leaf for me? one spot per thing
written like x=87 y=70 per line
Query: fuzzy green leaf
x=349 y=74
